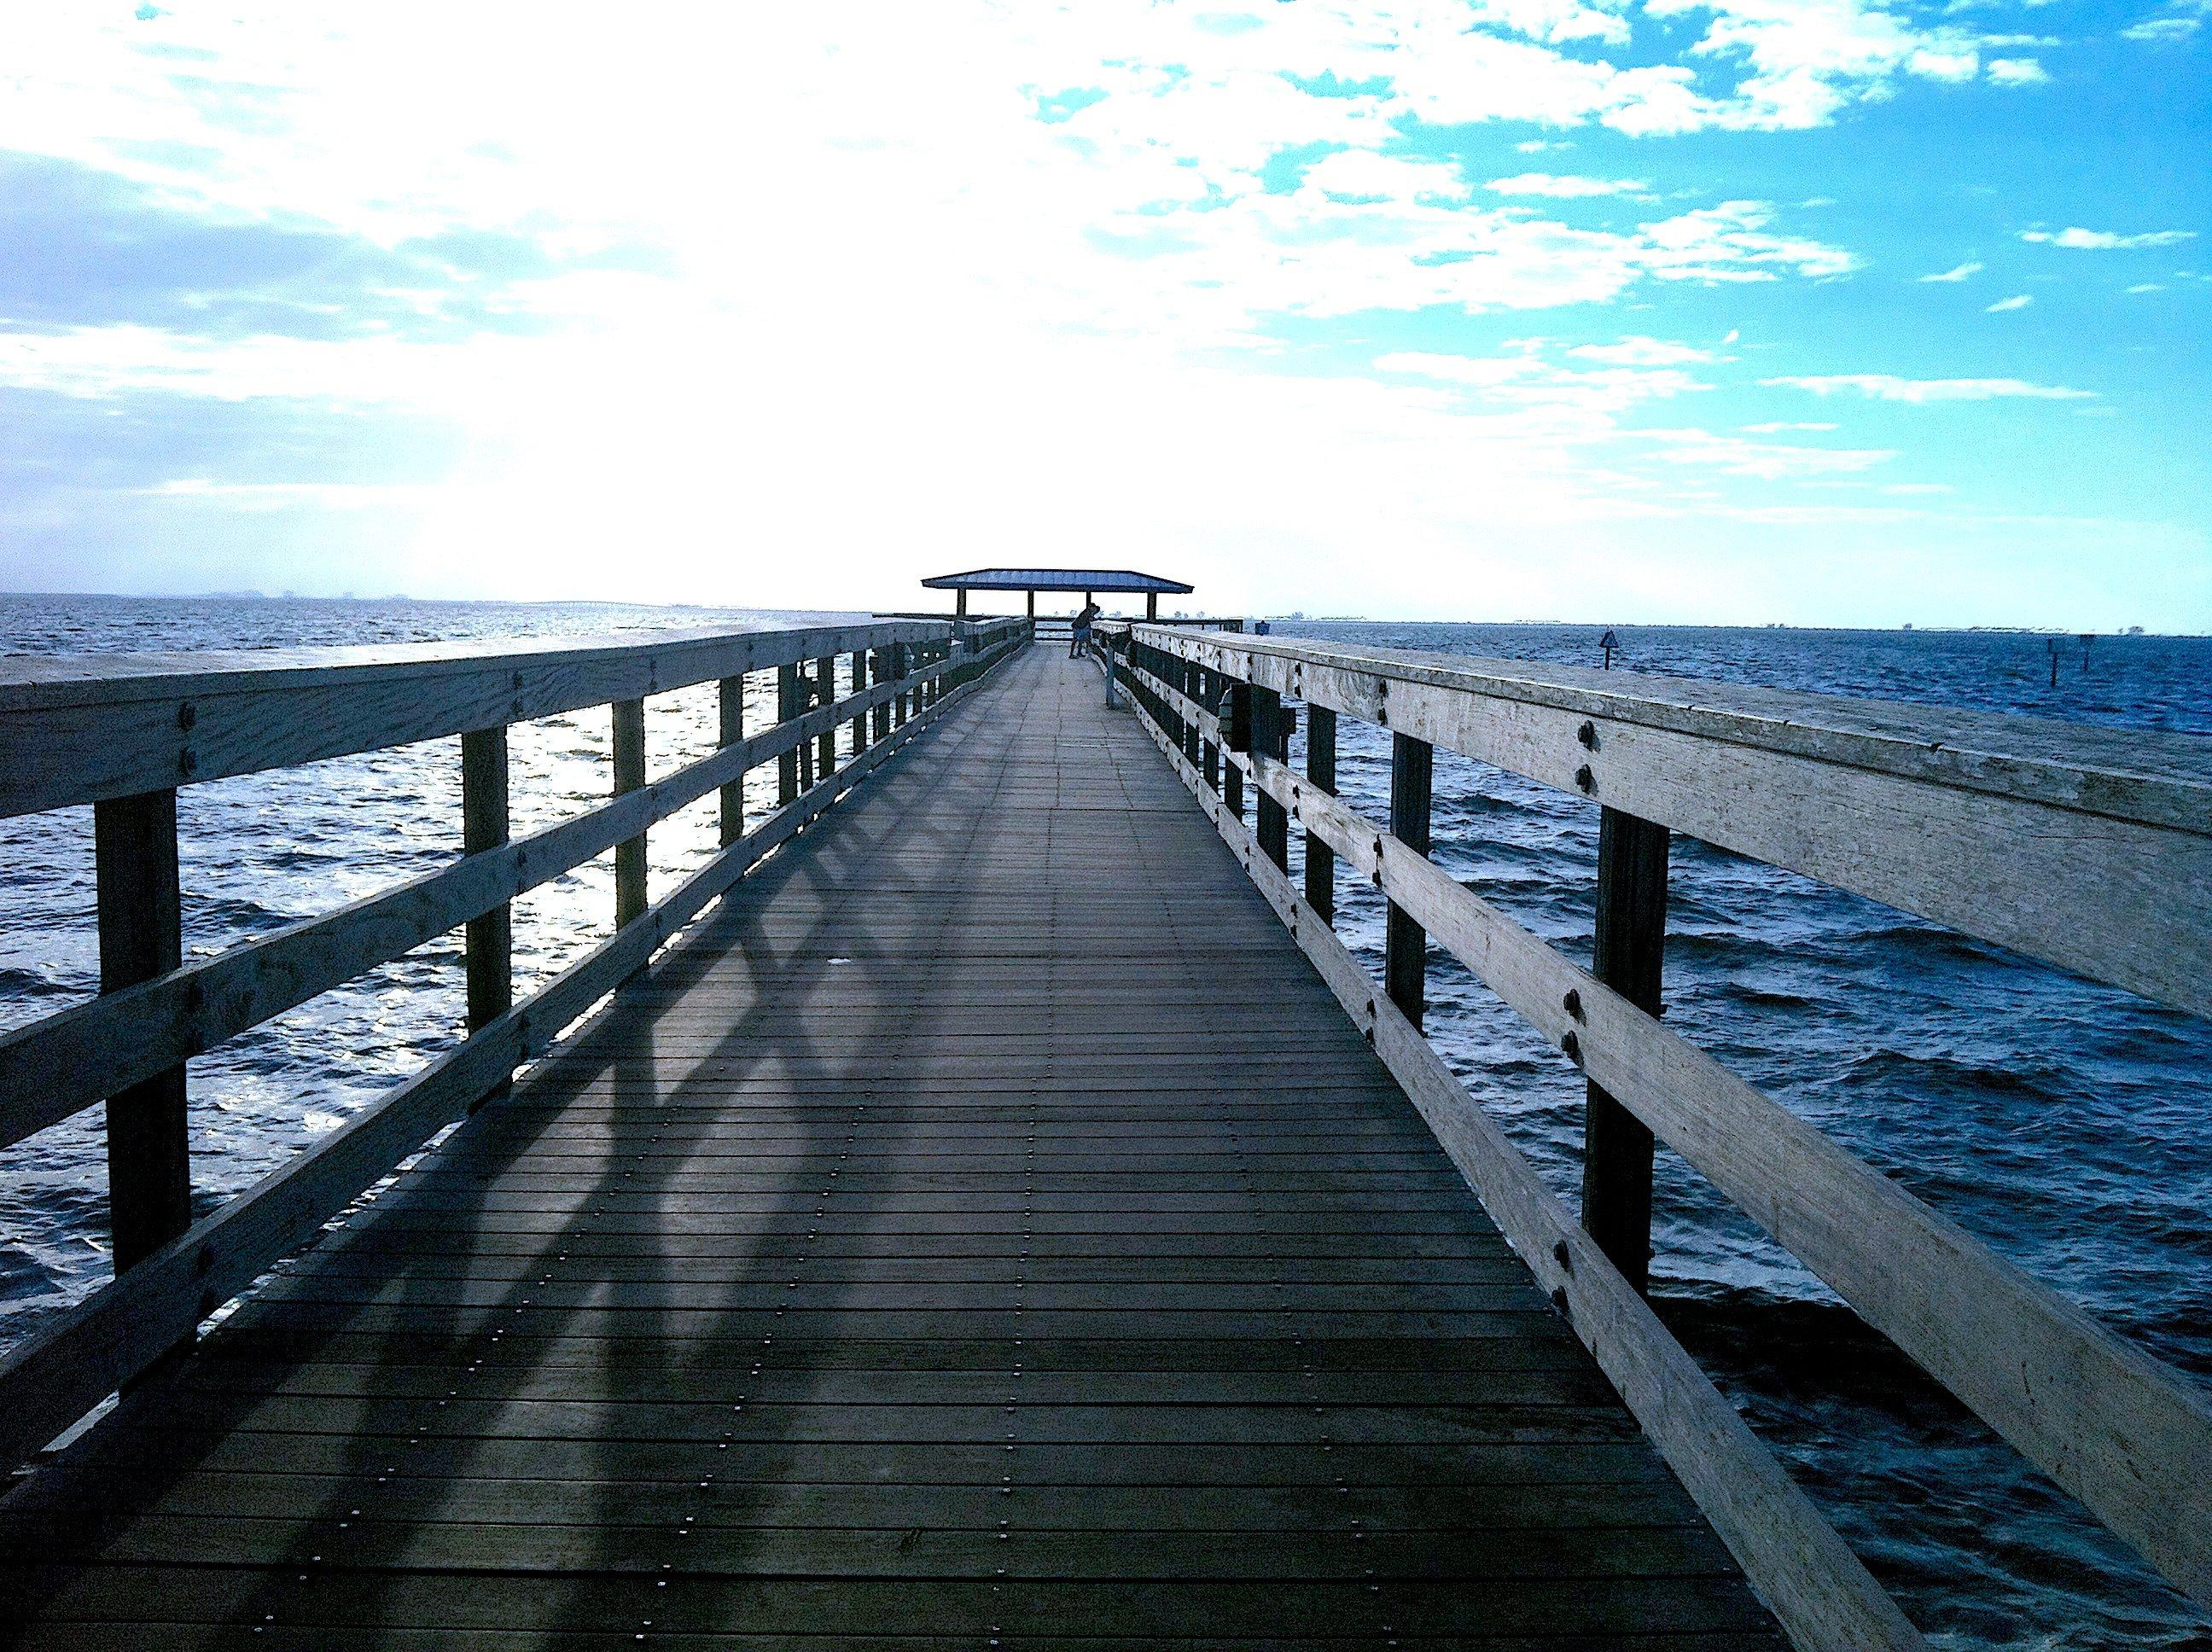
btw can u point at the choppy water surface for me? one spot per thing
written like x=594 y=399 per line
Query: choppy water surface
x=2063 y=1122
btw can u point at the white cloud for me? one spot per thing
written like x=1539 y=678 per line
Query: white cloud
x=2105 y=240
x=2017 y=301
x=1956 y=272
x=1764 y=461
x=2180 y=20
x=1775 y=427
x=2017 y=71
x=1545 y=183
x=964 y=262
x=1888 y=387
x=2148 y=287
x=1638 y=351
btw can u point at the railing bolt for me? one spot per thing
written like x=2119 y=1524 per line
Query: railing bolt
x=1571 y=1046
x=1585 y=779
x=1574 y=1004
x=1588 y=735
x=187 y=716
x=1562 y=1256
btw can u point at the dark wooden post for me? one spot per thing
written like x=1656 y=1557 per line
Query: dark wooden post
x=1208 y=697
x=732 y=733
x=960 y=606
x=1235 y=710
x=825 y=744
x=1320 y=777
x=880 y=673
x=1032 y=597
x=1632 y=939
x=488 y=941
x=149 y=1185
x=629 y=776
x=900 y=710
x=1405 y=942
x=1151 y=604
x=786 y=708
x=1268 y=741
x=860 y=719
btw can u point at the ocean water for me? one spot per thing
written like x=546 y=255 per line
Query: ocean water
x=2063 y=1122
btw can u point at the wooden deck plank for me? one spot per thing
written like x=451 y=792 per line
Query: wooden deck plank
x=986 y=1225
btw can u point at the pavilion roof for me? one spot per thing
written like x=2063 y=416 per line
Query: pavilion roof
x=1052 y=578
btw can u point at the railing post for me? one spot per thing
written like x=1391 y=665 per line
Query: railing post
x=1631 y=940
x=860 y=682
x=731 y=732
x=629 y=776
x=899 y=655
x=825 y=744
x=1268 y=741
x=880 y=717
x=149 y=1188
x=1236 y=712
x=1208 y=697
x=488 y=941
x=1405 y=942
x=1321 y=776
x=786 y=708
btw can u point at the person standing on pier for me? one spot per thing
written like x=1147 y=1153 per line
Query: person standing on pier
x=1078 y=634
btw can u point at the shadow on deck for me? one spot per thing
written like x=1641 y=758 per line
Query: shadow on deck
x=987 y=1226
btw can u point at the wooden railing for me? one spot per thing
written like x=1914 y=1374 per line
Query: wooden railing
x=123 y=733
x=2085 y=847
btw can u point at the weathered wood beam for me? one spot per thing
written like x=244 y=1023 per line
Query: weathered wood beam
x=787 y=709
x=52 y=1378
x=1273 y=820
x=80 y=728
x=1321 y=775
x=629 y=776
x=140 y=904
x=2088 y=848
x=1630 y=950
x=729 y=731
x=488 y=938
x=1824 y=1597
x=1405 y=942
x=62 y=1062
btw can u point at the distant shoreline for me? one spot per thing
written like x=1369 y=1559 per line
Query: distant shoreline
x=1913 y=627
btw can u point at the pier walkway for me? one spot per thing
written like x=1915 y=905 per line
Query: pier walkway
x=985 y=1202
x=986 y=1226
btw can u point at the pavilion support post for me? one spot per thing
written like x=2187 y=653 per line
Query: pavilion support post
x=1321 y=775
x=1632 y=938
x=1032 y=597
x=786 y=708
x=629 y=776
x=1151 y=604
x=1405 y=942
x=149 y=1191
x=960 y=603
x=1268 y=741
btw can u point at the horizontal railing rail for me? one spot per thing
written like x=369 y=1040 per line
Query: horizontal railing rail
x=130 y=1044
x=2127 y=1434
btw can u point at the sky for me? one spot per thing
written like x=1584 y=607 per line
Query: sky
x=1817 y=312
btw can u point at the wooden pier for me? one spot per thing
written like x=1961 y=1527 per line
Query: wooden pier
x=993 y=1208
